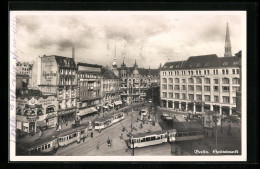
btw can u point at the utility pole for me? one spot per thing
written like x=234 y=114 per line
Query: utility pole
x=133 y=149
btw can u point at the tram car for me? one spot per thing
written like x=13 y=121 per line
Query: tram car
x=104 y=122
x=147 y=139
x=184 y=135
x=40 y=146
x=72 y=135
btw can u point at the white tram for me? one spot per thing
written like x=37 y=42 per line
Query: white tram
x=72 y=135
x=147 y=139
x=185 y=135
x=107 y=121
x=42 y=146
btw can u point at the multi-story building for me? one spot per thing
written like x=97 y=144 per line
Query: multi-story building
x=89 y=89
x=35 y=110
x=57 y=75
x=201 y=83
x=23 y=74
x=111 y=90
x=135 y=81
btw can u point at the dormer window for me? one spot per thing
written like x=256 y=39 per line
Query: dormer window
x=225 y=63
x=207 y=64
x=235 y=63
x=198 y=64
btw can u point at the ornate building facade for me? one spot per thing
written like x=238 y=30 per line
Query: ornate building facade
x=135 y=81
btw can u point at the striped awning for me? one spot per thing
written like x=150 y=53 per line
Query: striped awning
x=87 y=111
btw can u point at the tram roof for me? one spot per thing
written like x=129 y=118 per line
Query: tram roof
x=70 y=131
x=148 y=134
x=107 y=117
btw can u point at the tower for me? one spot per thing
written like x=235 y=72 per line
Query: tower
x=228 y=52
x=135 y=65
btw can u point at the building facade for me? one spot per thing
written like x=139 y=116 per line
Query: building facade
x=89 y=89
x=35 y=110
x=57 y=75
x=201 y=83
x=23 y=74
x=135 y=81
x=111 y=90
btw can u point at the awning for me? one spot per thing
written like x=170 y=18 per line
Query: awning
x=51 y=116
x=87 y=111
x=41 y=123
x=105 y=107
x=117 y=102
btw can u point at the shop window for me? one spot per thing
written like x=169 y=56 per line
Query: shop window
x=39 y=112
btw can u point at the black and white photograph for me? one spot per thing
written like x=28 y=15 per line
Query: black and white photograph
x=128 y=86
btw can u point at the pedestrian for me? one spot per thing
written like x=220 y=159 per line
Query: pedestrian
x=84 y=138
x=122 y=136
x=98 y=146
x=91 y=134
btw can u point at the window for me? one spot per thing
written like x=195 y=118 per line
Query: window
x=217 y=72
x=225 y=99
x=170 y=95
x=206 y=88
x=233 y=71
x=164 y=80
x=235 y=81
x=198 y=97
x=225 y=81
x=216 y=99
x=215 y=81
x=225 y=88
x=164 y=86
x=198 y=88
x=177 y=95
x=207 y=81
x=196 y=72
x=183 y=96
x=227 y=71
x=208 y=72
x=191 y=97
x=192 y=73
x=207 y=98
x=191 y=80
x=176 y=87
x=170 y=87
x=170 y=80
x=223 y=71
x=164 y=94
x=199 y=72
x=183 y=80
x=177 y=80
x=237 y=71
x=234 y=100
x=183 y=87
x=205 y=72
x=215 y=88
x=191 y=88
x=235 y=88
x=198 y=80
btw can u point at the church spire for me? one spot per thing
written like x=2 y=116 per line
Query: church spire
x=228 y=52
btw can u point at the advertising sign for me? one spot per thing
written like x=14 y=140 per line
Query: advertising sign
x=49 y=71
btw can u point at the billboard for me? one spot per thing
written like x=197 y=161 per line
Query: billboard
x=49 y=71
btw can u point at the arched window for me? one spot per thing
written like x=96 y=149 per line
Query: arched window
x=235 y=81
x=198 y=80
x=177 y=80
x=225 y=80
x=18 y=111
x=207 y=80
x=164 y=80
x=191 y=80
x=170 y=80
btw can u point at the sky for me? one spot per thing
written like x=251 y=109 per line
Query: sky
x=149 y=37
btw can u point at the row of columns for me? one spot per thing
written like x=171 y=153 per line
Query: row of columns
x=194 y=107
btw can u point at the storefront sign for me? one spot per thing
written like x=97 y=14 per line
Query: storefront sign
x=49 y=71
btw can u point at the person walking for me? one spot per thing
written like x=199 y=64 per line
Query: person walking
x=91 y=134
x=98 y=146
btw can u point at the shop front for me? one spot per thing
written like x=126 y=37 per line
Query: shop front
x=66 y=115
x=86 y=112
x=176 y=105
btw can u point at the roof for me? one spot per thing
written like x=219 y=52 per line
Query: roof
x=142 y=71
x=148 y=134
x=203 y=61
x=65 y=61
x=108 y=74
x=89 y=65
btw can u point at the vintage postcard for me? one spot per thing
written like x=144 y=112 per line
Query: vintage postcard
x=127 y=86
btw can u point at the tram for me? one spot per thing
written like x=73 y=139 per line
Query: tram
x=42 y=146
x=184 y=135
x=147 y=139
x=104 y=122
x=72 y=135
